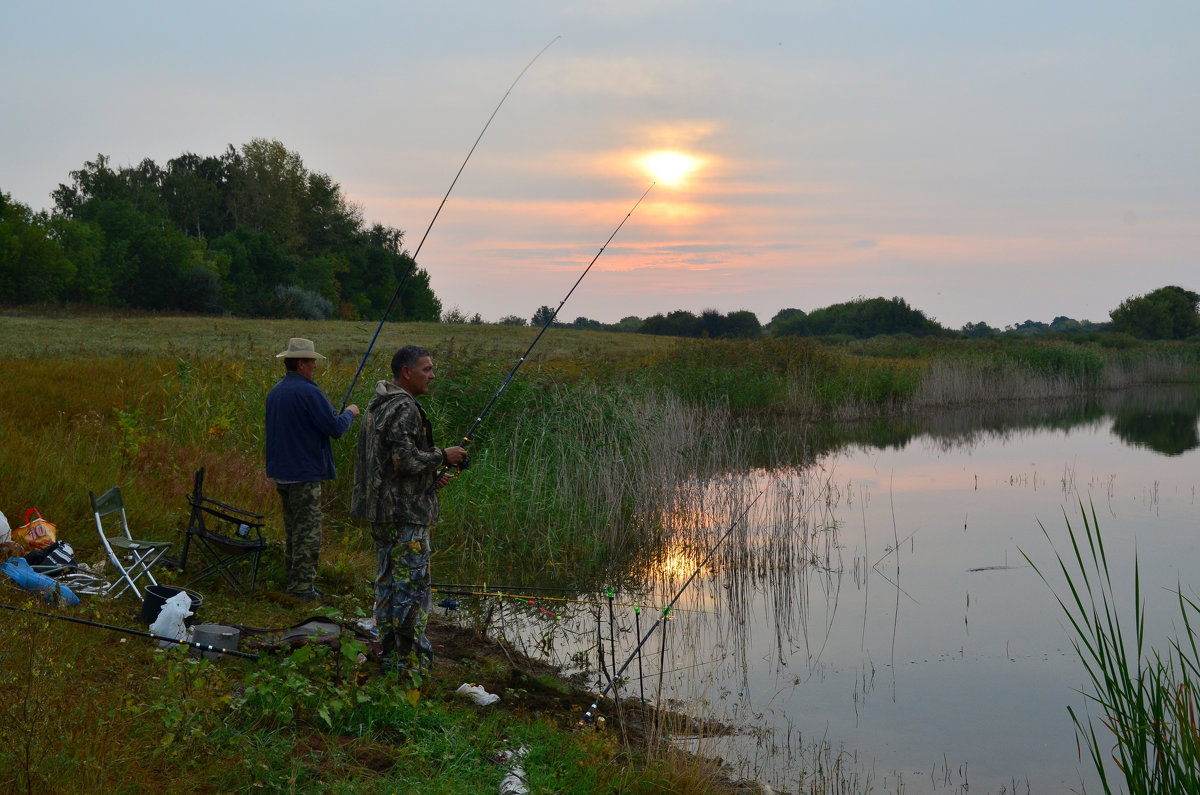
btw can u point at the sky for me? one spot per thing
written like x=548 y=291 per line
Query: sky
x=986 y=162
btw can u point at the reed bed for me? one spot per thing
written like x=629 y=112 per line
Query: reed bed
x=1147 y=697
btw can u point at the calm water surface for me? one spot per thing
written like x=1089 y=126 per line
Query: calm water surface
x=908 y=628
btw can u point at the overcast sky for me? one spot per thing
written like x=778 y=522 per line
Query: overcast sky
x=990 y=162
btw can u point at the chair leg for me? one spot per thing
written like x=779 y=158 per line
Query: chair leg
x=137 y=570
x=223 y=565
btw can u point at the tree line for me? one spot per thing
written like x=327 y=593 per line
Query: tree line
x=1168 y=313
x=250 y=232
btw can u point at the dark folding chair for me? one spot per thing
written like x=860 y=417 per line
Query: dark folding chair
x=226 y=537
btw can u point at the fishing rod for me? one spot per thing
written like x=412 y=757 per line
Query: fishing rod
x=466 y=439
x=404 y=278
x=139 y=633
x=666 y=611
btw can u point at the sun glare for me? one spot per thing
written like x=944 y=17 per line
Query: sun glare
x=670 y=167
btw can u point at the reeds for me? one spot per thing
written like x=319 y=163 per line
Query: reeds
x=582 y=480
x=1147 y=698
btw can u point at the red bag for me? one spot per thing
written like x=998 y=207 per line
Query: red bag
x=36 y=533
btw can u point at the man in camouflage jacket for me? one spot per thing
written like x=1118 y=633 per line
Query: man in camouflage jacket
x=395 y=489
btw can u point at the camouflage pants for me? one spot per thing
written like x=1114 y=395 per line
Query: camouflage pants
x=302 y=527
x=402 y=594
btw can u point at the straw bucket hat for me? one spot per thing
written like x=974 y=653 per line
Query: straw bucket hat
x=299 y=348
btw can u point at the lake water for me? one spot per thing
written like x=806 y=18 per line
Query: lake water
x=877 y=601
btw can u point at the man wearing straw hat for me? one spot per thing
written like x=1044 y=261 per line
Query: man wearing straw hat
x=300 y=423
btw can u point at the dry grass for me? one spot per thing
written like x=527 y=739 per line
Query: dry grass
x=71 y=337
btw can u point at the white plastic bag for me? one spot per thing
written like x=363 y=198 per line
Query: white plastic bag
x=5 y=529
x=169 y=623
x=477 y=694
x=516 y=782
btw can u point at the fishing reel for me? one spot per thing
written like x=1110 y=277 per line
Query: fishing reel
x=460 y=466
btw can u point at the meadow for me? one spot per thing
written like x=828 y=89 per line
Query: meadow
x=574 y=477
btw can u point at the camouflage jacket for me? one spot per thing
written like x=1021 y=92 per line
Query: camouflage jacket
x=397 y=461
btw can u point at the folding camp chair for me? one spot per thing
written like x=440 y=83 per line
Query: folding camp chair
x=225 y=536
x=132 y=558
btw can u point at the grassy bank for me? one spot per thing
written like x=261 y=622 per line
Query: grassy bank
x=576 y=477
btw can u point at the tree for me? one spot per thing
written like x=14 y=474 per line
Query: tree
x=543 y=316
x=33 y=267
x=269 y=191
x=587 y=323
x=742 y=324
x=234 y=232
x=629 y=323
x=257 y=265
x=680 y=323
x=94 y=181
x=1168 y=313
x=860 y=318
x=195 y=191
x=978 y=330
x=1030 y=328
x=327 y=220
x=83 y=244
x=783 y=317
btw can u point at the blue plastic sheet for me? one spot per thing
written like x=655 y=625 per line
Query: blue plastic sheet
x=19 y=571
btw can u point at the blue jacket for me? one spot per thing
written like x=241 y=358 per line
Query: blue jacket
x=300 y=423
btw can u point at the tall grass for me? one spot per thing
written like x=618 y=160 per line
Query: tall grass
x=583 y=480
x=1147 y=698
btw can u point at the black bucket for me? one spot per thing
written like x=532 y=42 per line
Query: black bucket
x=156 y=596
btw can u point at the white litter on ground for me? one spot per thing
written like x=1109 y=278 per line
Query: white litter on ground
x=516 y=782
x=169 y=623
x=477 y=694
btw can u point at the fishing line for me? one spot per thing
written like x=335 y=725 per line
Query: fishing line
x=528 y=597
x=665 y=612
x=404 y=278
x=466 y=439
x=484 y=587
x=140 y=634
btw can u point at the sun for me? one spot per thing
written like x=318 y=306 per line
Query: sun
x=669 y=167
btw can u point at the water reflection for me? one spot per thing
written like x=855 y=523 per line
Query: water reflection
x=878 y=598
x=1163 y=420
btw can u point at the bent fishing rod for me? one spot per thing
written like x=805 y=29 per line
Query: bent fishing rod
x=404 y=279
x=466 y=439
x=666 y=611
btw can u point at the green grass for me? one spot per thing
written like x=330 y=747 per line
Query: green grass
x=91 y=713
